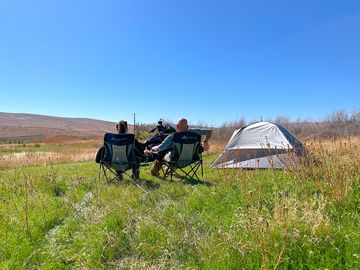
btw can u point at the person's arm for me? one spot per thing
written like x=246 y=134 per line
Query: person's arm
x=167 y=144
x=204 y=132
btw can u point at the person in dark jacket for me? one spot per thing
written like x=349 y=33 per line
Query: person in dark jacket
x=122 y=128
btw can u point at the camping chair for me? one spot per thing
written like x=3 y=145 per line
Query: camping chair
x=185 y=153
x=119 y=155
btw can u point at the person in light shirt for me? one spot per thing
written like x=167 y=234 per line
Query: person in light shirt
x=158 y=152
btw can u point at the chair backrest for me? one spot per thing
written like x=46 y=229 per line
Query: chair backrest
x=119 y=151
x=186 y=148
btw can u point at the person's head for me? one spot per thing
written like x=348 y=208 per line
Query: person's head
x=182 y=125
x=122 y=127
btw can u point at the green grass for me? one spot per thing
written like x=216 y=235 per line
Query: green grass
x=62 y=217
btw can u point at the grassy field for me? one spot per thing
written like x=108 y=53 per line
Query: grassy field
x=56 y=214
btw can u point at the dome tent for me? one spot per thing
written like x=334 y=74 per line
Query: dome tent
x=261 y=145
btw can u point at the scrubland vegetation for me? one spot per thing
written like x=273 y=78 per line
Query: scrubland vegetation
x=55 y=213
x=339 y=123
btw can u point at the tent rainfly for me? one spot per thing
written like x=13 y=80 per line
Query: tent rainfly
x=261 y=145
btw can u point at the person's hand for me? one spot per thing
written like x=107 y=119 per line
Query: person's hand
x=147 y=152
x=155 y=149
x=206 y=146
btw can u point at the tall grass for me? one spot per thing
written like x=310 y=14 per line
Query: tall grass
x=12 y=156
x=60 y=216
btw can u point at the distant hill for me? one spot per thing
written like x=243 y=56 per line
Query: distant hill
x=28 y=127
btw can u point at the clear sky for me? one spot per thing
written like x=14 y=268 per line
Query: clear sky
x=209 y=61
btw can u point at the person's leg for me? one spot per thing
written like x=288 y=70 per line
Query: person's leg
x=155 y=169
x=158 y=161
x=139 y=156
x=135 y=172
x=119 y=175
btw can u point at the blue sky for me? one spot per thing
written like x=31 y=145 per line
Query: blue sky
x=209 y=61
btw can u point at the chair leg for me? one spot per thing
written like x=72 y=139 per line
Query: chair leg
x=102 y=172
x=167 y=171
x=191 y=173
x=202 y=170
x=164 y=172
x=104 y=169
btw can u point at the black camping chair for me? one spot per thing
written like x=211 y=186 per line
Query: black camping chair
x=185 y=153
x=118 y=155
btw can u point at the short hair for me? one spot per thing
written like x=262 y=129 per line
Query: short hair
x=183 y=120
x=122 y=126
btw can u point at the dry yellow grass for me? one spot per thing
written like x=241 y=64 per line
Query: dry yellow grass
x=330 y=145
x=217 y=147
x=41 y=158
x=74 y=151
x=48 y=153
x=342 y=147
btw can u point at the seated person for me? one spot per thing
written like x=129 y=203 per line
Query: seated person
x=157 y=153
x=122 y=128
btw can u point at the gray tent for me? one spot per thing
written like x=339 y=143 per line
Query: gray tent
x=261 y=145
